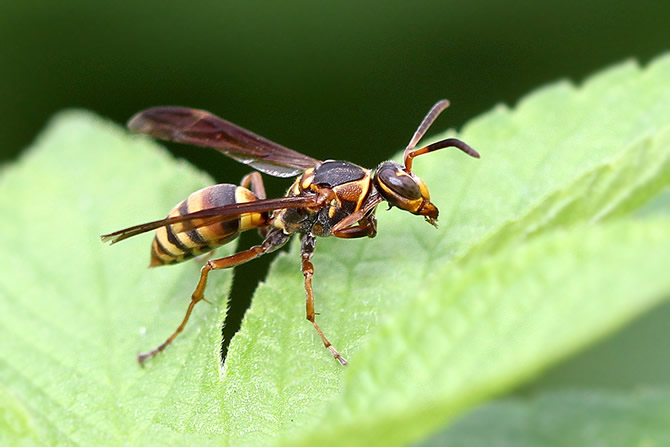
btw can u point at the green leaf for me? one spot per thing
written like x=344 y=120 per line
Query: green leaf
x=566 y=418
x=534 y=176
x=73 y=312
x=540 y=302
x=537 y=173
x=431 y=321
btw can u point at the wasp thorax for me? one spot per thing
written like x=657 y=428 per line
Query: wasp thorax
x=404 y=190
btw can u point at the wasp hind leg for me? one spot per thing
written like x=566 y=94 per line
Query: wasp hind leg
x=307 y=250
x=273 y=241
x=254 y=182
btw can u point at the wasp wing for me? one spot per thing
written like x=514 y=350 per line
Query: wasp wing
x=210 y=216
x=201 y=128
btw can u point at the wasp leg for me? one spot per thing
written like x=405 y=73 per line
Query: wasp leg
x=255 y=181
x=307 y=250
x=367 y=227
x=272 y=242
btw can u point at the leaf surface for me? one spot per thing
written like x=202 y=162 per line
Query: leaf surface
x=545 y=244
x=566 y=418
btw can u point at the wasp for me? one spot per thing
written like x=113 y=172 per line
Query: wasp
x=328 y=198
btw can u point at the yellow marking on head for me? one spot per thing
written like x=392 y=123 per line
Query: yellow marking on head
x=423 y=188
x=413 y=205
x=386 y=189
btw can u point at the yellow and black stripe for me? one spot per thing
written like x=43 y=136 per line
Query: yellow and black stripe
x=172 y=245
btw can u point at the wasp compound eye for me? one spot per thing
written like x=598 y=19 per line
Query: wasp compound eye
x=396 y=181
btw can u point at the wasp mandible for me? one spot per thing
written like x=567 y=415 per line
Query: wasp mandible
x=328 y=198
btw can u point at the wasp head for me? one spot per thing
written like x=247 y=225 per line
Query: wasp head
x=405 y=190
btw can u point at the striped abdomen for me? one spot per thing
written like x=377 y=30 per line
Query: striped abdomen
x=171 y=245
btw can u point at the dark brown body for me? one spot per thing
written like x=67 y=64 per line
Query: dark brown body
x=351 y=189
x=328 y=198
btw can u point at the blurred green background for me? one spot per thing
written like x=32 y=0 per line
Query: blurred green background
x=341 y=79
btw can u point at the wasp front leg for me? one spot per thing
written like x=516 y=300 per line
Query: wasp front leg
x=367 y=227
x=364 y=217
x=307 y=250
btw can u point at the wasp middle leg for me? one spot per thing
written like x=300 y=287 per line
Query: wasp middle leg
x=307 y=250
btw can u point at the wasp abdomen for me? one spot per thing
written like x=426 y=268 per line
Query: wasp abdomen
x=172 y=244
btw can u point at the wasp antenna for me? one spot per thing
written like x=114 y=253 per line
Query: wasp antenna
x=108 y=238
x=449 y=142
x=432 y=114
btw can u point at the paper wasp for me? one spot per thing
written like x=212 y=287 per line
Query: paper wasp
x=328 y=198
